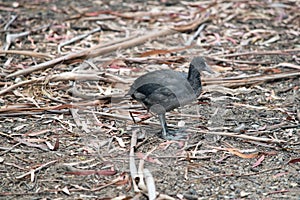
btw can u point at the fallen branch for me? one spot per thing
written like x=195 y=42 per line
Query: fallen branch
x=94 y=52
x=66 y=76
x=277 y=52
x=243 y=81
x=261 y=139
x=31 y=172
x=91 y=53
x=26 y=53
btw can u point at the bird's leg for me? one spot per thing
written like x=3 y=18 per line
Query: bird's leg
x=162 y=119
x=169 y=134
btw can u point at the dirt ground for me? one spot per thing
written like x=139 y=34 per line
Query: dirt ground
x=66 y=131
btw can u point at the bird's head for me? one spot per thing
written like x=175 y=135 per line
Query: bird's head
x=200 y=64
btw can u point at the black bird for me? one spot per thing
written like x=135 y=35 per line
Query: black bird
x=163 y=90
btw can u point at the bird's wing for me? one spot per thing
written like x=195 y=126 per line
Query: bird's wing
x=171 y=96
x=160 y=77
x=167 y=88
x=161 y=100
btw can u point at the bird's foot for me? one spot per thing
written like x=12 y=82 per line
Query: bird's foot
x=175 y=135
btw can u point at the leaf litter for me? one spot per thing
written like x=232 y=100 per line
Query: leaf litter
x=66 y=66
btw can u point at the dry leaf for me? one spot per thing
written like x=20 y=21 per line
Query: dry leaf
x=37 y=132
x=66 y=190
x=295 y=160
x=117 y=64
x=91 y=172
x=259 y=161
x=56 y=145
x=49 y=145
x=120 y=142
x=155 y=52
x=241 y=155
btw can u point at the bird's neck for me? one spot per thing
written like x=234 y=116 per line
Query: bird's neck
x=194 y=79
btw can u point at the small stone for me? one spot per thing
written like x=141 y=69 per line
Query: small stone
x=244 y=194
x=181 y=123
x=294 y=184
